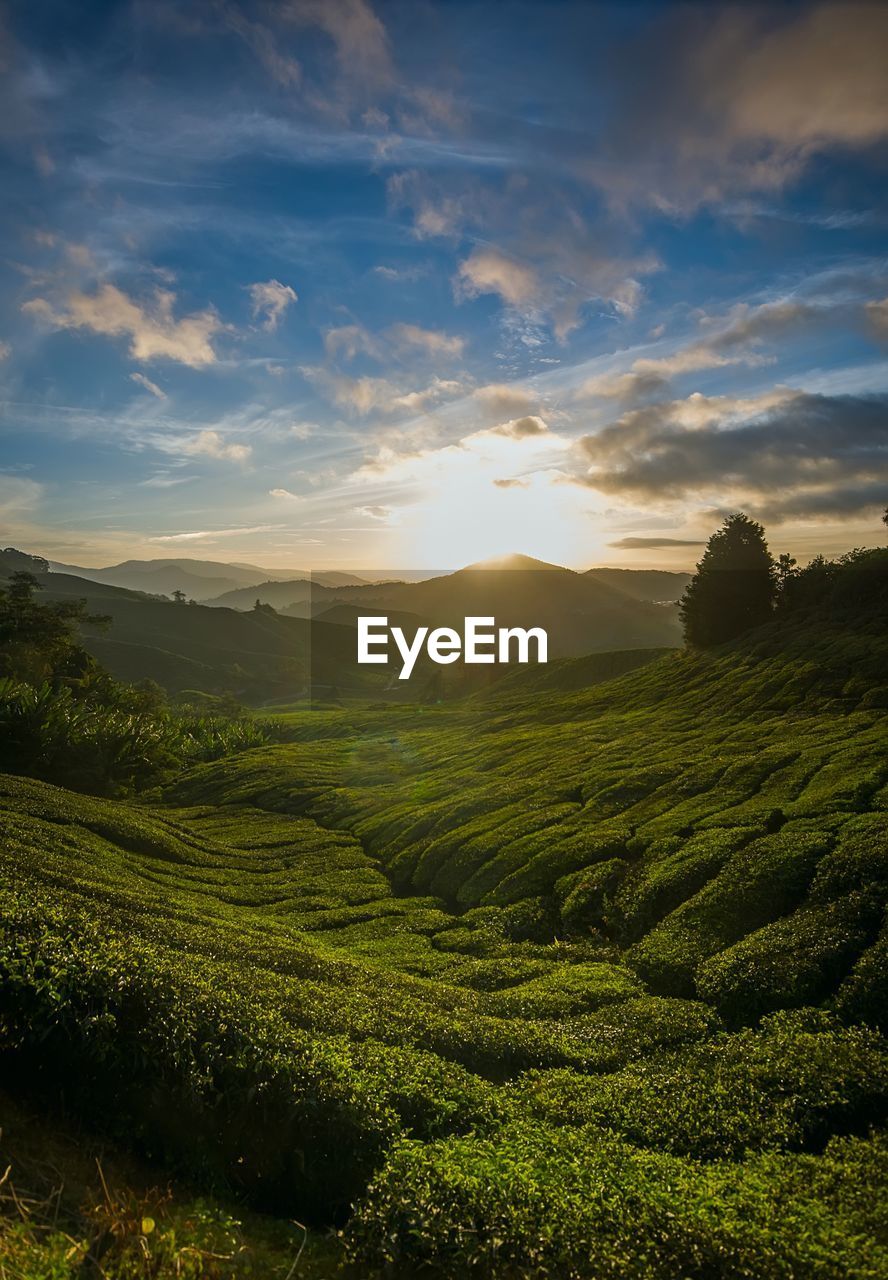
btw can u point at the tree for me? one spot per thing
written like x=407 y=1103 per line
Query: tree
x=787 y=573
x=40 y=641
x=734 y=586
x=179 y=596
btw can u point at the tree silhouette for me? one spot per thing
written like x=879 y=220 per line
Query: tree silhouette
x=41 y=641
x=179 y=596
x=734 y=586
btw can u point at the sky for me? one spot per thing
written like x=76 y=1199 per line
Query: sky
x=330 y=284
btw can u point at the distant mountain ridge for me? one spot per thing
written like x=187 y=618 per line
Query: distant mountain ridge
x=200 y=579
x=582 y=612
x=307 y=640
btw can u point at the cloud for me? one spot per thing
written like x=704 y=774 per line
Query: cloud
x=750 y=325
x=367 y=395
x=163 y=480
x=811 y=82
x=535 y=249
x=5 y=350
x=283 y=493
x=733 y=339
x=263 y=42
x=489 y=271
x=270 y=302
x=877 y=315
x=350 y=340
x=398 y=273
x=518 y=428
x=648 y=377
x=512 y=482
x=499 y=399
x=213 y=445
x=432 y=342
x=153 y=331
x=360 y=39
x=18 y=494
x=382 y=514
x=211 y=535
x=789 y=452
x=148 y=385
x=740 y=99
x=303 y=430
x=651 y=544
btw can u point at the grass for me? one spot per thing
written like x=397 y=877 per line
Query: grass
x=573 y=982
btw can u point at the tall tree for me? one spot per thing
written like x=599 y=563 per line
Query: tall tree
x=41 y=641
x=734 y=586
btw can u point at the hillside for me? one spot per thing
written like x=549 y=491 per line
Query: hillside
x=254 y=655
x=292 y=591
x=310 y=645
x=643 y=584
x=200 y=579
x=580 y=613
x=558 y=982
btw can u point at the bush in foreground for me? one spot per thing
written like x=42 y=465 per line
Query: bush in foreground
x=578 y=1204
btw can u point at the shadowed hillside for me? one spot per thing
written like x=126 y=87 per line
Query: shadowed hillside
x=580 y=613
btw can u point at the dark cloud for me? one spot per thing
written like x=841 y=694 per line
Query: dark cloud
x=651 y=544
x=518 y=428
x=791 y=452
x=716 y=102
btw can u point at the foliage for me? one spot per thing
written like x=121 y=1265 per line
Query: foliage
x=734 y=587
x=791 y=1084
x=40 y=641
x=117 y=744
x=577 y=1203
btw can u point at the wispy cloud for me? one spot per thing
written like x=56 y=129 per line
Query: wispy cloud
x=153 y=330
x=210 y=535
x=363 y=396
x=148 y=385
x=212 y=444
x=270 y=302
x=653 y=544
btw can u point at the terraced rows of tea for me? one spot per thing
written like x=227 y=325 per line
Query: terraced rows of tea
x=538 y=983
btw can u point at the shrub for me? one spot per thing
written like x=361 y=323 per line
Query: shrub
x=799 y=960
x=567 y=990
x=791 y=1085
x=758 y=884
x=586 y=895
x=580 y=1205
x=109 y=746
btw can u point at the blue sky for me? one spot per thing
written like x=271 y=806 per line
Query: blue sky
x=320 y=283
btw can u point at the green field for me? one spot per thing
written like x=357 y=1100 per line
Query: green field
x=579 y=977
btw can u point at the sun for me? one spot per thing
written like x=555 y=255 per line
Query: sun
x=538 y=516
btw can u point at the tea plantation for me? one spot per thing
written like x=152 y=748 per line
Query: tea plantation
x=555 y=981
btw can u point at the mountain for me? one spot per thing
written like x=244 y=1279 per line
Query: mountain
x=580 y=612
x=278 y=594
x=199 y=579
x=256 y=655
x=658 y=585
